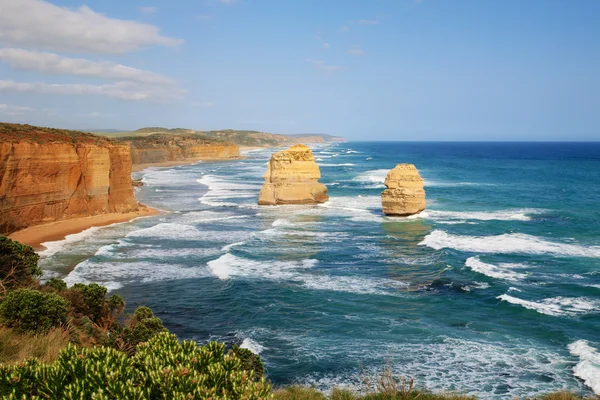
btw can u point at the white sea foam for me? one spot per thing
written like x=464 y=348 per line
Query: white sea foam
x=252 y=345
x=114 y=275
x=230 y=246
x=499 y=272
x=556 y=306
x=373 y=176
x=229 y=266
x=507 y=244
x=588 y=368
x=167 y=230
x=337 y=165
x=501 y=215
x=220 y=189
x=56 y=246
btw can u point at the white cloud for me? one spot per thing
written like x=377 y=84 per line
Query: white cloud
x=322 y=66
x=355 y=52
x=10 y=109
x=92 y=114
x=344 y=28
x=323 y=42
x=44 y=25
x=54 y=64
x=148 y=10
x=368 y=21
x=120 y=90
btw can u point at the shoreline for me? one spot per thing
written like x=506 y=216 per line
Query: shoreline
x=35 y=235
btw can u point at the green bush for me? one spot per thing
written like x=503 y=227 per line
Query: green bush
x=250 y=361
x=138 y=328
x=57 y=284
x=163 y=368
x=32 y=311
x=92 y=302
x=18 y=264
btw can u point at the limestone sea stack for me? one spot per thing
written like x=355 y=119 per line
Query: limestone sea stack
x=404 y=194
x=292 y=177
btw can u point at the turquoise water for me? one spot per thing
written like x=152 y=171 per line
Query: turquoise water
x=494 y=289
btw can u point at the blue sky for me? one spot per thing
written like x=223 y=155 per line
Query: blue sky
x=366 y=70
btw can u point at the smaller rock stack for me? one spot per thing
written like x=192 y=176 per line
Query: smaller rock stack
x=292 y=177
x=404 y=194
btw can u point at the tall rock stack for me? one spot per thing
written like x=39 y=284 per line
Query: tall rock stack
x=404 y=194
x=292 y=177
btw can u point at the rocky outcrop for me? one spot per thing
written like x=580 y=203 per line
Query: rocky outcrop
x=404 y=194
x=292 y=178
x=48 y=175
x=162 y=148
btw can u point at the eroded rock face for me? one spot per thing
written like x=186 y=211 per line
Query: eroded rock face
x=292 y=177
x=404 y=194
x=54 y=181
x=156 y=149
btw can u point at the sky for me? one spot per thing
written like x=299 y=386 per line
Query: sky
x=365 y=70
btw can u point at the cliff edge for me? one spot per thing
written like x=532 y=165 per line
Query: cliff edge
x=292 y=178
x=157 y=149
x=54 y=174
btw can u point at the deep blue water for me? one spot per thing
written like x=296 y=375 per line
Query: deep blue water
x=494 y=289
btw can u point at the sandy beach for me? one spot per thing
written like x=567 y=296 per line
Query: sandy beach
x=34 y=236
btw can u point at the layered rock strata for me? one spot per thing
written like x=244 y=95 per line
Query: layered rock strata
x=292 y=177
x=404 y=194
x=48 y=175
x=161 y=148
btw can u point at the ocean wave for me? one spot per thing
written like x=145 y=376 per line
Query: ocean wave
x=54 y=247
x=167 y=230
x=337 y=165
x=588 y=367
x=443 y=365
x=252 y=345
x=229 y=266
x=501 y=215
x=556 y=306
x=499 y=272
x=373 y=176
x=220 y=189
x=506 y=244
x=114 y=275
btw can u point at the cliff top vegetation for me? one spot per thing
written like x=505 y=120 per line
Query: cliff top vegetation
x=13 y=133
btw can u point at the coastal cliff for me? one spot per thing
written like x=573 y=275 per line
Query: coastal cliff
x=404 y=194
x=292 y=178
x=50 y=174
x=157 y=149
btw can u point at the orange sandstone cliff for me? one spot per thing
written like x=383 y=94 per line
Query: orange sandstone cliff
x=162 y=148
x=51 y=174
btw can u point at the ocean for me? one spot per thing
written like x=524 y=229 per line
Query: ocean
x=494 y=290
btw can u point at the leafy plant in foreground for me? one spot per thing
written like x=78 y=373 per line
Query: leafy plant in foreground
x=32 y=311
x=163 y=368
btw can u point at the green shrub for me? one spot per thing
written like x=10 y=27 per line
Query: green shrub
x=57 y=284
x=18 y=265
x=163 y=368
x=138 y=328
x=250 y=361
x=92 y=302
x=115 y=303
x=32 y=311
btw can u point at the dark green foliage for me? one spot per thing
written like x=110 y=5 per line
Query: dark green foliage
x=32 y=311
x=18 y=265
x=57 y=284
x=91 y=302
x=163 y=368
x=138 y=328
x=250 y=361
x=116 y=304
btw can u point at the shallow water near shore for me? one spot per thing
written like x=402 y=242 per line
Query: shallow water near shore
x=493 y=290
